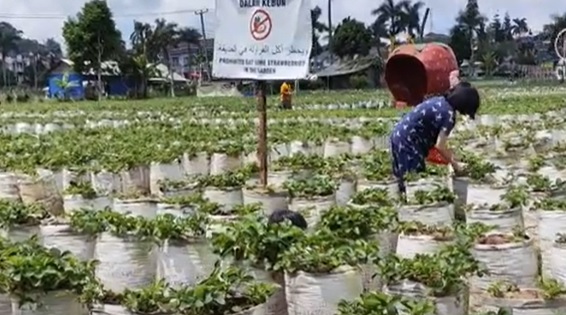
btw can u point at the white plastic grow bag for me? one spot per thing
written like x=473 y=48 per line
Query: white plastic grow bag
x=227 y=198
x=298 y=147
x=277 y=303
x=76 y=202
x=550 y=223
x=370 y=273
x=484 y=194
x=460 y=189
x=334 y=148
x=105 y=183
x=278 y=151
x=346 y=189
x=146 y=208
x=503 y=220
x=391 y=186
x=361 y=145
x=53 y=303
x=63 y=238
x=512 y=262
x=446 y=305
x=9 y=186
x=556 y=262
x=525 y=306
x=221 y=163
x=43 y=190
x=124 y=263
x=197 y=164
x=163 y=171
x=22 y=127
x=217 y=224
x=5 y=304
x=308 y=293
x=184 y=264
x=441 y=214
x=381 y=142
x=135 y=179
x=176 y=210
x=20 y=233
x=312 y=208
x=69 y=176
x=424 y=184
x=315 y=148
x=270 y=202
x=410 y=245
x=278 y=178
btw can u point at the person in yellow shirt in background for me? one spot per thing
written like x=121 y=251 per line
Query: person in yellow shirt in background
x=286 y=98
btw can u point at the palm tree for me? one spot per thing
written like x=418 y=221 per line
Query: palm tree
x=392 y=13
x=66 y=85
x=317 y=28
x=9 y=38
x=411 y=15
x=519 y=26
x=141 y=39
x=472 y=23
x=144 y=54
x=166 y=35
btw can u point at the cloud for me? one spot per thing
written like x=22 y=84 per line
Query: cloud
x=41 y=19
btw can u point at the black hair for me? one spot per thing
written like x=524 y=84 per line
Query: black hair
x=464 y=98
x=295 y=218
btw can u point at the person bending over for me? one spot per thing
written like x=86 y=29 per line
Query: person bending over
x=429 y=124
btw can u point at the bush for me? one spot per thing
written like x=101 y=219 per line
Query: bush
x=359 y=82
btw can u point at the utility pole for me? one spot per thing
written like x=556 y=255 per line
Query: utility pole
x=201 y=13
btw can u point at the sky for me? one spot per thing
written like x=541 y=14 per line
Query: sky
x=42 y=19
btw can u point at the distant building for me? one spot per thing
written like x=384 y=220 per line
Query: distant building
x=114 y=83
x=183 y=56
x=17 y=64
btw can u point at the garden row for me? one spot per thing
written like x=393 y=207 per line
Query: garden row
x=137 y=242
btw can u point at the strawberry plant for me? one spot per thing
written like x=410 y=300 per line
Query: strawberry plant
x=252 y=239
x=358 y=223
x=440 y=194
x=312 y=187
x=323 y=251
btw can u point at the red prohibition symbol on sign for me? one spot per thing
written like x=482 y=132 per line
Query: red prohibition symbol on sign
x=260 y=25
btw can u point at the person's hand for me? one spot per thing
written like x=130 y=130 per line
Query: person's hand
x=454 y=78
x=458 y=168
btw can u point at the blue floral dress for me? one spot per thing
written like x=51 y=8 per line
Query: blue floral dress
x=416 y=133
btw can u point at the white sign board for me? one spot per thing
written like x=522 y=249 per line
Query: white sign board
x=262 y=39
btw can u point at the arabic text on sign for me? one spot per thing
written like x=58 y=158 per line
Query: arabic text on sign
x=262 y=3
x=261 y=49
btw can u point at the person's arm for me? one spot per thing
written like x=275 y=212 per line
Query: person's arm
x=442 y=147
x=446 y=126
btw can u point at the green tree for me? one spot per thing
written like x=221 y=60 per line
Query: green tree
x=468 y=31
x=520 y=26
x=166 y=35
x=351 y=38
x=496 y=30
x=392 y=14
x=9 y=37
x=92 y=38
x=507 y=27
x=411 y=16
x=317 y=28
x=551 y=30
